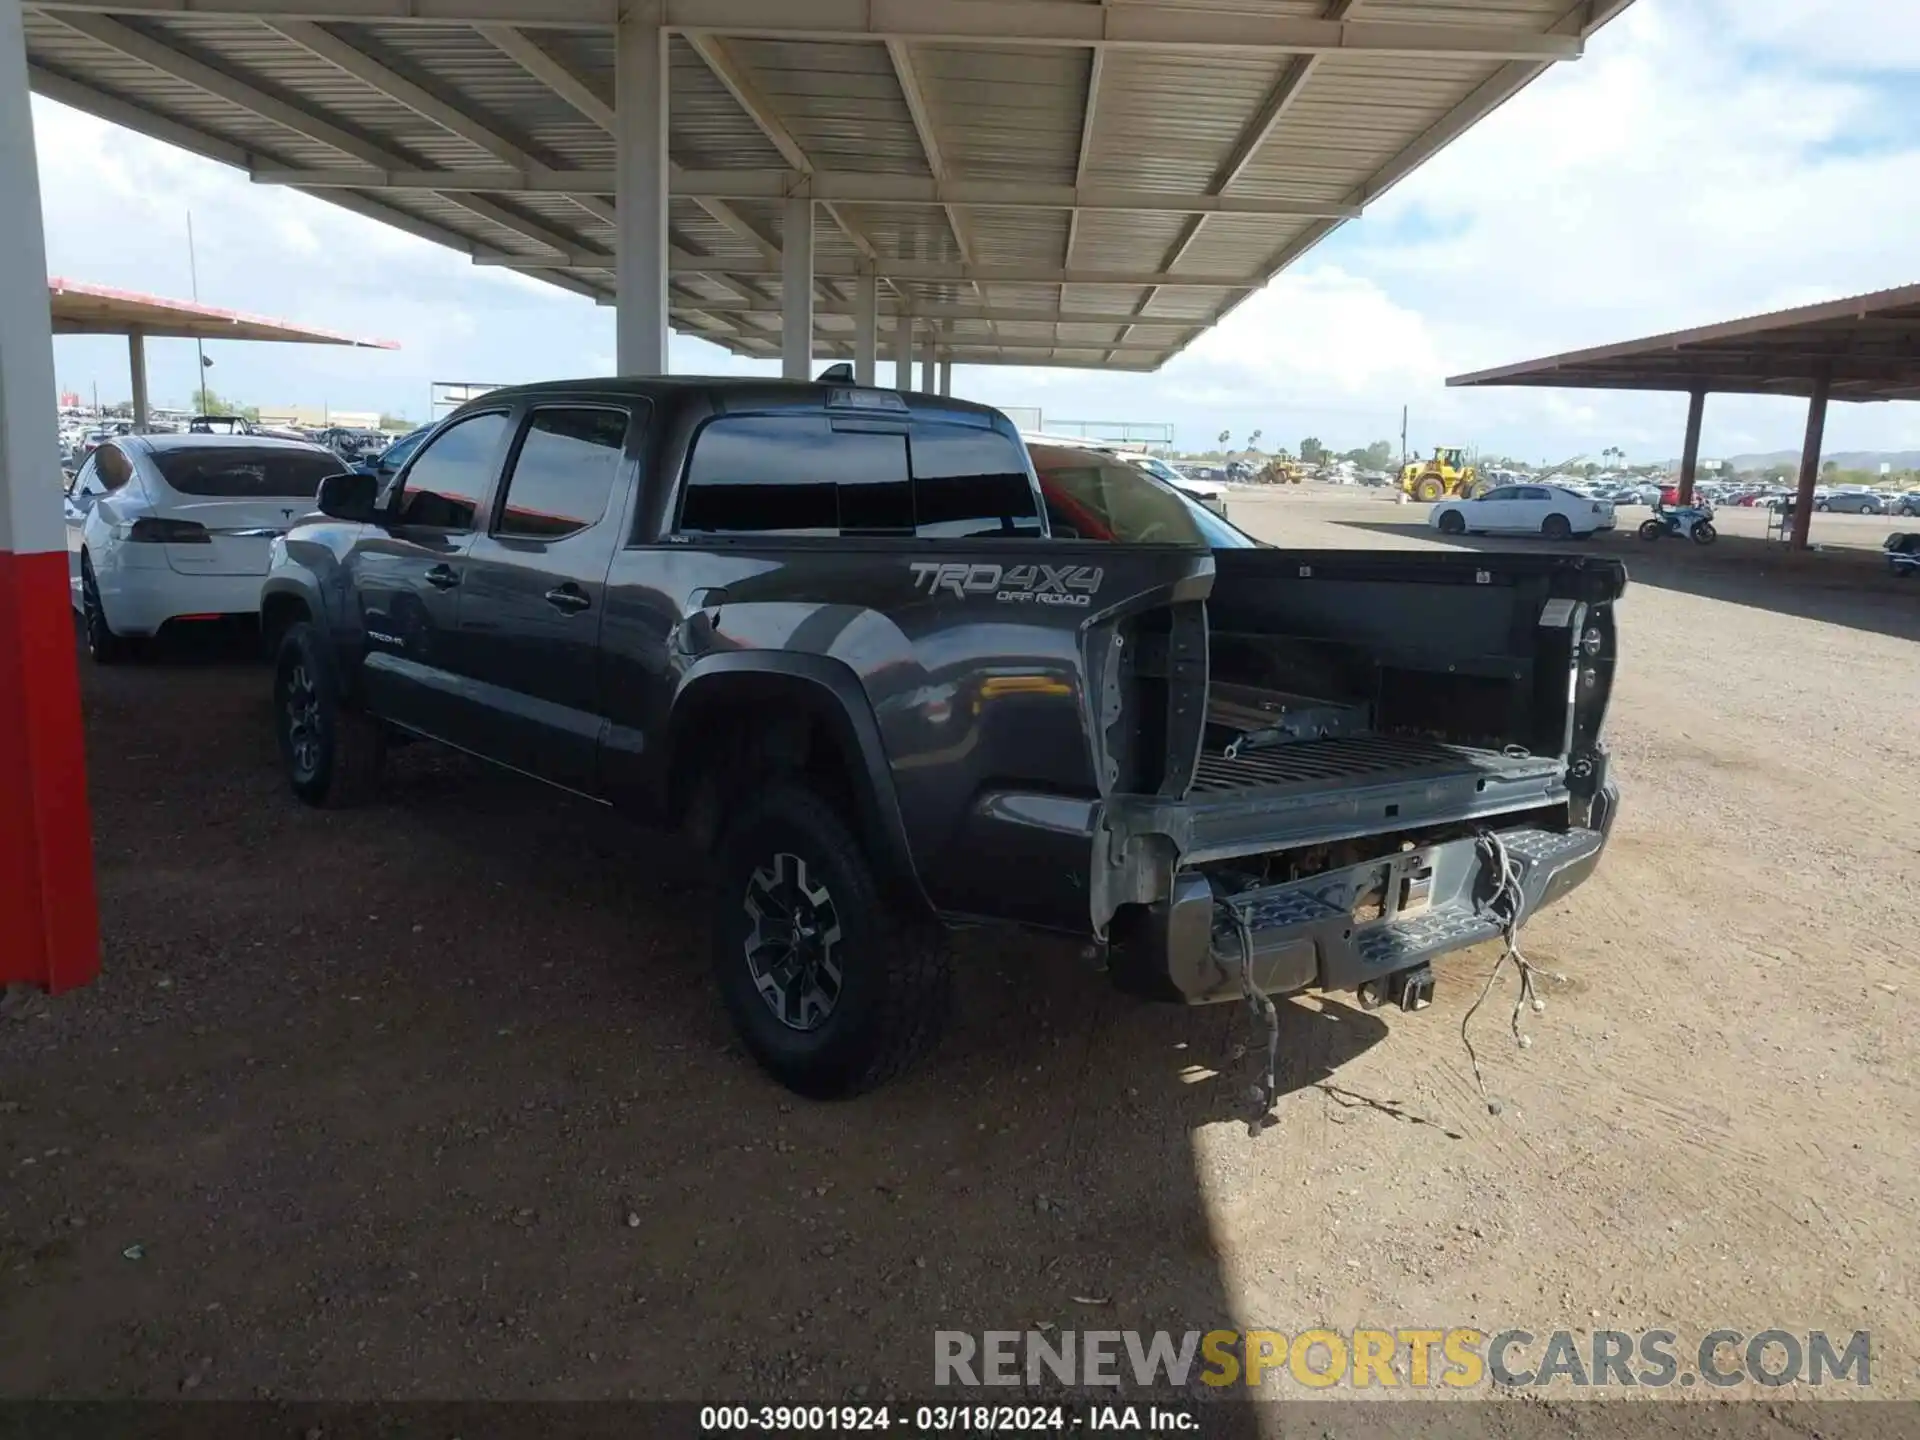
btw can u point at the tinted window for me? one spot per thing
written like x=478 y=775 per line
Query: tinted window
x=1505 y=492
x=111 y=468
x=1091 y=497
x=87 y=480
x=564 y=474
x=970 y=482
x=244 y=472
x=795 y=475
x=1533 y=492
x=444 y=487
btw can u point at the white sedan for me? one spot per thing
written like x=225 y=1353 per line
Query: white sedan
x=1207 y=495
x=179 y=527
x=1545 y=510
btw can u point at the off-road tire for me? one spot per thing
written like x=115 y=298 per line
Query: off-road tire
x=1452 y=522
x=895 y=980
x=1429 y=490
x=104 y=647
x=1556 y=527
x=348 y=748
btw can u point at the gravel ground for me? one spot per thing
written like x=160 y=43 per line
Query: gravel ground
x=432 y=1100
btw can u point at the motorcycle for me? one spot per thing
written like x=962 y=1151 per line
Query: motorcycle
x=1685 y=522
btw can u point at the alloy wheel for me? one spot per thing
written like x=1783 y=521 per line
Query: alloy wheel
x=793 y=947
x=302 y=705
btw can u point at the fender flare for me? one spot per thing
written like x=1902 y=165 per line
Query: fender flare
x=840 y=699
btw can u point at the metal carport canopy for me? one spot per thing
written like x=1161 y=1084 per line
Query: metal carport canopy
x=1866 y=347
x=1028 y=181
x=78 y=309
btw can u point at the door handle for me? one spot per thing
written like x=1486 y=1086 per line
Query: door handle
x=443 y=577
x=569 y=597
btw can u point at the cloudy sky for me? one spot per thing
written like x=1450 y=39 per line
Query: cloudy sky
x=1707 y=159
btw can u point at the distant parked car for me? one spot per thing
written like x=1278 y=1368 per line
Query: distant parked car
x=1545 y=510
x=1853 y=502
x=1907 y=504
x=384 y=466
x=169 y=527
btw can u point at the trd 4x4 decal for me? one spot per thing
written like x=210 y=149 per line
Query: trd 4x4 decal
x=1014 y=584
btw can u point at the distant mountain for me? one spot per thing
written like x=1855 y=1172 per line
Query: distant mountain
x=1845 y=459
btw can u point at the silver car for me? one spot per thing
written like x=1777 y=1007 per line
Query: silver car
x=1853 y=502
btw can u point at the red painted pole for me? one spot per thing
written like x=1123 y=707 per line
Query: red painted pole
x=49 y=919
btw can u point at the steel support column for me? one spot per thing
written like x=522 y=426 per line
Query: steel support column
x=49 y=917
x=1690 y=452
x=927 y=348
x=903 y=352
x=1810 y=459
x=640 y=184
x=796 y=291
x=137 y=369
x=946 y=377
x=866 y=326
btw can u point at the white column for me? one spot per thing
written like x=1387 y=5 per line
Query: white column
x=137 y=368
x=796 y=290
x=946 y=377
x=866 y=337
x=49 y=919
x=927 y=361
x=903 y=351
x=640 y=180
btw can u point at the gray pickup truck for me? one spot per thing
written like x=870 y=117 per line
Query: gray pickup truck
x=895 y=674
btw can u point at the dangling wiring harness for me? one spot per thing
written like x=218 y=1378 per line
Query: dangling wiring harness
x=1504 y=907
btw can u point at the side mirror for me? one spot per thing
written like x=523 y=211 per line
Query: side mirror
x=348 y=496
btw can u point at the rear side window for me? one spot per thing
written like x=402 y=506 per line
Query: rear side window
x=564 y=475
x=970 y=483
x=448 y=478
x=111 y=469
x=795 y=475
x=244 y=472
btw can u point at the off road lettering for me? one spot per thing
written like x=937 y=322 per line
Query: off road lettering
x=1010 y=584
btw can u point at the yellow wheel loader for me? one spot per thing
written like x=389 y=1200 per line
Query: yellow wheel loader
x=1443 y=477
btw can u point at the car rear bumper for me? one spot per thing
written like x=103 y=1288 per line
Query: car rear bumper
x=1344 y=928
x=139 y=602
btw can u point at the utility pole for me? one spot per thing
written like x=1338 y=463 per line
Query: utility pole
x=1403 y=437
x=199 y=348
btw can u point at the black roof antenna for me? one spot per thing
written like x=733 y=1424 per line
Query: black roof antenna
x=841 y=374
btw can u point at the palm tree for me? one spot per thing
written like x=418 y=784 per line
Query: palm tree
x=1253 y=440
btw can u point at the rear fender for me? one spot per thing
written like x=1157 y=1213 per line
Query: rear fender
x=829 y=695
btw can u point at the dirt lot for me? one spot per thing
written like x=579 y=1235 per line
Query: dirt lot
x=432 y=1099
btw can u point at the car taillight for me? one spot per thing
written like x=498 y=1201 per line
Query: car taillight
x=154 y=530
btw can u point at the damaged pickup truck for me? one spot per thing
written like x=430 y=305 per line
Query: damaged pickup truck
x=895 y=674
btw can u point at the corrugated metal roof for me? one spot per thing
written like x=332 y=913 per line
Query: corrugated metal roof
x=1059 y=182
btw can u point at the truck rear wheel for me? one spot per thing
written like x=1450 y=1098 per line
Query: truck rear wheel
x=833 y=989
